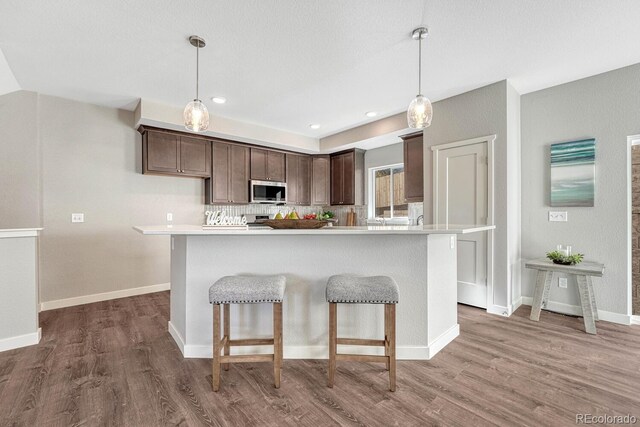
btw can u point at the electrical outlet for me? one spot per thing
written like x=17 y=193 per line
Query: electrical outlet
x=77 y=217
x=558 y=216
x=169 y=217
x=562 y=282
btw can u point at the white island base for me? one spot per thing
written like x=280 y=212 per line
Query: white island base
x=421 y=260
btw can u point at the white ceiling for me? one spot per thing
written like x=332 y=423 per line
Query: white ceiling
x=286 y=64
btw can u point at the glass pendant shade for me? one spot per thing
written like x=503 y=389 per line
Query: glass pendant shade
x=419 y=113
x=196 y=116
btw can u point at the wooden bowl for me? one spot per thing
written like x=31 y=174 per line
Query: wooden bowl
x=294 y=224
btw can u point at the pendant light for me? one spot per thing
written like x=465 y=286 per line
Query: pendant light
x=420 y=111
x=196 y=115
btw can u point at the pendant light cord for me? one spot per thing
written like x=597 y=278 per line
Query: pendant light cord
x=198 y=71
x=420 y=65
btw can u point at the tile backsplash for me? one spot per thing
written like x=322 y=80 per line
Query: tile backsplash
x=237 y=210
x=415 y=210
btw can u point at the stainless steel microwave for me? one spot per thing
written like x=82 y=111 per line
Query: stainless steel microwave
x=268 y=192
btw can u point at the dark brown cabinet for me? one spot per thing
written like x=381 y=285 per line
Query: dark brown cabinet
x=347 y=178
x=413 y=167
x=267 y=165
x=173 y=154
x=229 y=182
x=321 y=180
x=298 y=179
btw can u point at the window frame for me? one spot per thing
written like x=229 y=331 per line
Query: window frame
x=372 y=191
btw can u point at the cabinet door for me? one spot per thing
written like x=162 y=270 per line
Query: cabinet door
x=413 y=169
x=292 y=178
x=195 y=157
x=161 y=153
x=348 y=178
x=239 y=174
x=304 y=180
x=276 y=166
x=321 y=180
x=220 y=174
x=258 y=164
x=336 y=180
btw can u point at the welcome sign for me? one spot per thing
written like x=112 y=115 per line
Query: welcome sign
x=220 y=219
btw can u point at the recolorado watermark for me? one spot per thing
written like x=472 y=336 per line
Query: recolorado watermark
x=605 y=419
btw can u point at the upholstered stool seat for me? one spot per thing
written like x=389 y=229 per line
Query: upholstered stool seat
x=246 y=290
x=343 y=289
x=362 y=290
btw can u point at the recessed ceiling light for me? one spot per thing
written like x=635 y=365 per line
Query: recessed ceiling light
x=370 y=114
x=219 y=99
x=314 y=126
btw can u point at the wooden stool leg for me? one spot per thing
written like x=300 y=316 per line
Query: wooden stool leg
x=216 y=347
x=333 y=341
x=390 y=319
x=386 y=335
x=277 y=342
x=227 y=332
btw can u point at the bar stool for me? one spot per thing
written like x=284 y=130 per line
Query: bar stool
x=363 y=290
x=246 y=290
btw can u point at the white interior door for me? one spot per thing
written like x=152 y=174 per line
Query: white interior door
x=462 y=198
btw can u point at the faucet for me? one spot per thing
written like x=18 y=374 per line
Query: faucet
x=382 y=220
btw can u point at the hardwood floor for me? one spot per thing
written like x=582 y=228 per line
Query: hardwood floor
x=113 y=363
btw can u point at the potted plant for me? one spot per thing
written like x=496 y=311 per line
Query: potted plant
x=558 y=257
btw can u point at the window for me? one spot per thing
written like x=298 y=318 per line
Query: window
x=386 y=198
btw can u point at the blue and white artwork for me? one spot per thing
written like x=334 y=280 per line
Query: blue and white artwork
x=573 y=173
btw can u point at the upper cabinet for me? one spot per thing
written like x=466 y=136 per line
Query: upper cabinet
x=413 y=167
x=229 y=182
x=298 y=179
x=321 y=180
x=173 y=154
x=267 y=165
x=347 y=178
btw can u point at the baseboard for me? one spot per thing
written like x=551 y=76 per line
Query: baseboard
x=20 y=341
x=500 y=310
x=105 y=296
x=635 y=320
x=441 y=342
x=178 y=338
x=319 y=351
x=575 y=310
x=516 y=305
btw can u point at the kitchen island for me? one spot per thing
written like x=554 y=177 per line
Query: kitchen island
x=422 y=260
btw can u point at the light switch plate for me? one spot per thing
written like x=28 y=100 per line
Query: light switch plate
x=556 y=216
x=77 y=217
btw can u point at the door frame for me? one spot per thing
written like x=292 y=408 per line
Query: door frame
x=631 y=141
x=489 y=140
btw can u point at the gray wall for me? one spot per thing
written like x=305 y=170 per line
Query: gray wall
x=60 y=156
x=606 y=107
x=18 y=287
x=19 y=161
x=477 y=113
x=91 y=164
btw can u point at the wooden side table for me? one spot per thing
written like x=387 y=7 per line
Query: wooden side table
x=583 y=273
